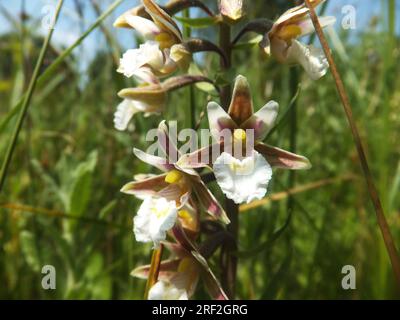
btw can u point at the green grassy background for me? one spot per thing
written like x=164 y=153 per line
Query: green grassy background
x=61 y=203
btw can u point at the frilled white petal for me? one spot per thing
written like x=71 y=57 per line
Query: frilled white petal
x=155 y=217
x=147 y=28
x=163 y=290
x=243 y=180
x=125 y=111
x=311 y=58
x=147 y=55
x=128 y=108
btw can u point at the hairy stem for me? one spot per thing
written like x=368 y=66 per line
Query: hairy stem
x=373 y=192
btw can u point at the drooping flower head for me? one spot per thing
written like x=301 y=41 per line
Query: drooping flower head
x=243 y=178
x=232 y=9
x=281 y=41
x=149 y=99
x=160 y=28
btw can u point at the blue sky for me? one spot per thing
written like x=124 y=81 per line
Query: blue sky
x=70 y=25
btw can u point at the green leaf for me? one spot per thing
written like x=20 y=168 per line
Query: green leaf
x=197 y=22
x=29 y=250
x=203 y=86
x=248 y=44
x=107 y=209
x=81 y=188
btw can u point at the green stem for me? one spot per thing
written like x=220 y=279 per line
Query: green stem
x=28 y=98
x=229 y=258
x=187 y=32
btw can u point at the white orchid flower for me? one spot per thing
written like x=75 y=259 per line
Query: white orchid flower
x=155 y=217
x=281 y=41
x=243 y=176
x=180 y=274
x=164 y=290
x=174 y=184
x=160 y=29
x=149 y=99
x=146 y=63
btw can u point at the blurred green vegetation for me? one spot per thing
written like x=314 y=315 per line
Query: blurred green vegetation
x=61 y=204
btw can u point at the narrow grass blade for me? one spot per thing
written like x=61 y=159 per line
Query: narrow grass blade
x=51 y=70
x=27 y=98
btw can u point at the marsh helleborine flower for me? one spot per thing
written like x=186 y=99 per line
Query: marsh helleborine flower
x=243 y=178
x=149 y=99
x=155 y=217
x=281 y=41
x=178 y=276
x=161 y=29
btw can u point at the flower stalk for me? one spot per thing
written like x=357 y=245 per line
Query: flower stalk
x=154 y=270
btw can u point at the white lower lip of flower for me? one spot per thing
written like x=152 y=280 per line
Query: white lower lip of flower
x=163 y=290
x=127 y=109
x=155 y=217
x=243 y=180
x=134 y=60
x=311 y=58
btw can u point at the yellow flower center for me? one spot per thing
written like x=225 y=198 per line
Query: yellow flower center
x=239 y=135
x=185 y=264
x=289 y=32
x=165 y=40
x=186 y=217
x=160 y=213
x=174 y=176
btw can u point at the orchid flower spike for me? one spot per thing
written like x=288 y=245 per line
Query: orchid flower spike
x=243 y=178
x=281 y=41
